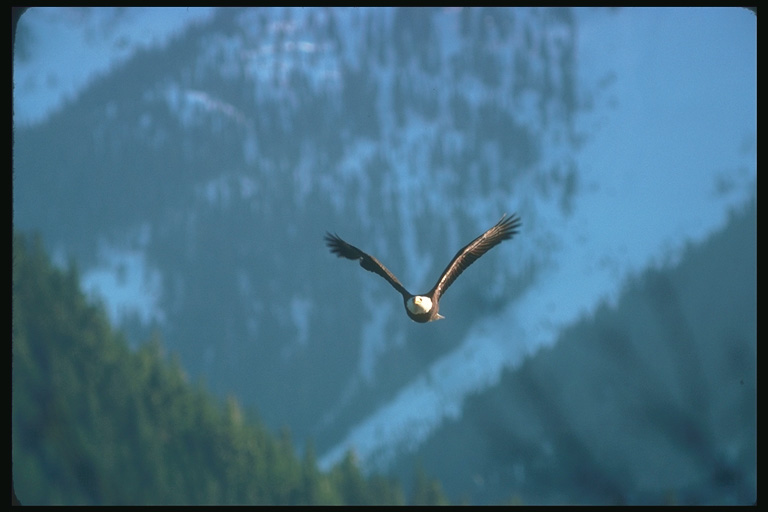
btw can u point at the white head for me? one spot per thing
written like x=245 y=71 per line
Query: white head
x=419 y=305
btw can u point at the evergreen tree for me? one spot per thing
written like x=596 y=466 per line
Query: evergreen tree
x=95 y=423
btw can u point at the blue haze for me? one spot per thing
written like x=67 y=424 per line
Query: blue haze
x=634 y=140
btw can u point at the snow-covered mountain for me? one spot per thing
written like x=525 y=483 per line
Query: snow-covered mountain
x=191 y=160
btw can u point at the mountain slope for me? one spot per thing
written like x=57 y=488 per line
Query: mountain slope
x=193 y=183
x=651 y=401
x=94 y=423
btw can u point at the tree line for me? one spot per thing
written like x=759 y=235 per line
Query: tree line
x=94 y=422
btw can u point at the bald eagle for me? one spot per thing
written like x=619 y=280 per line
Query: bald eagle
x=424 y=308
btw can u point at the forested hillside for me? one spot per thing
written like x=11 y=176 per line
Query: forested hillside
x=94 y=422
x=650 y=401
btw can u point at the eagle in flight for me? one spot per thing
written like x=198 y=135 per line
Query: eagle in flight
x=424 y=308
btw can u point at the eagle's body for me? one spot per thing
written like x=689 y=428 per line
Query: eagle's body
x=425 y=308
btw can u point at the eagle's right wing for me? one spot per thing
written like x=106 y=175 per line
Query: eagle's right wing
x=344 y=250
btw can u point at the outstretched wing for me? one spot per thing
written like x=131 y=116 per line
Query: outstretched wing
x=505 y=229
x=344 y=250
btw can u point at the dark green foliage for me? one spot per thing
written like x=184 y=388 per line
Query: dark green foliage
x=651 y=401
x=95 y=423
x=188 y=154
x=425 y=490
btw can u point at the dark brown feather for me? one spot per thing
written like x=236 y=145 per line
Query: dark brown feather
x=505 y=229
x=344 y=250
